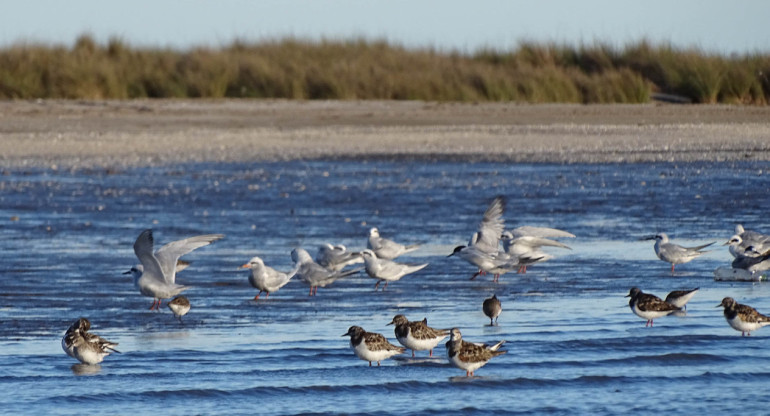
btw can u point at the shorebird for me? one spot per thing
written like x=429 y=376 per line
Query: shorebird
x=265 y=278
x=156 y=276
x=417 y=335
x=469 y=356
x=674 y=253
x=743 y=318
x=387 y=249
x=85 y=347
x=387 y=270
x=371 y=346
x=336 y=258
x=527 y=242
x=492 y=309
x=180 y=305
x=648 y=306
x=679 y=298
x=313 y=273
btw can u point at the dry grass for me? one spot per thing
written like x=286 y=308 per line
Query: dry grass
x=359 y=69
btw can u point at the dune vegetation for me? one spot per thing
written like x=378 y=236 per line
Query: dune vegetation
x=377 y=70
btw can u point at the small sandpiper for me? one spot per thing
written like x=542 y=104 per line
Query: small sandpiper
x=649 y=307
x=492 y=309
x=469 y=356
x=743 y=318
x=371 y=346
x=180 y=305
x=417 y=335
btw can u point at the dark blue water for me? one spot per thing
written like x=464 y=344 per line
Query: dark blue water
x=573 y=344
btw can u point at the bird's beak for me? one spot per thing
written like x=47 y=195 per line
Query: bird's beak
x=344 y=335
x=651 y=237
x=245 y=266
x=391 y=323
x=128 y=272
x=627 y=296
x=718 y=306
x=726 y=243
x=451 y=255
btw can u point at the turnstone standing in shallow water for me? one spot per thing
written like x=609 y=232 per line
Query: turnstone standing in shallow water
x=417 y=336
x=674 y=253
x=492 y=309
x=743 y=318
x=387 y=249
x=266 y=278
x=649 y=307
x=156 y=276
x=469 y=356
x=180 y=305
x=387 y=270
x=679 y=298
x=371 y=346
x=85 y=347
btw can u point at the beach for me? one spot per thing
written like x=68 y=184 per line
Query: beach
x=135 y=133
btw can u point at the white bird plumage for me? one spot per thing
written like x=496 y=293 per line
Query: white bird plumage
x=156 y=276
x=313 y=273
x=266 y=278
x=337 y=257
x=387 y=270
x=674 y=253
x=387 y=249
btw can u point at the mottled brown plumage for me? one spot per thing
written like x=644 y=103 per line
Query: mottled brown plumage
x=649 y=307
x=743 y=318
x=417 y=335
x=469 y=356
x=371 y=346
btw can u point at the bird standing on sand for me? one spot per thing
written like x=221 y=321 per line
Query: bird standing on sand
x=492 y=309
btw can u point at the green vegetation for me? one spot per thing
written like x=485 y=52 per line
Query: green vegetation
x=361 y=69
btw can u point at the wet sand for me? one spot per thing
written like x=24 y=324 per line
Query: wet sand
x=91 y=134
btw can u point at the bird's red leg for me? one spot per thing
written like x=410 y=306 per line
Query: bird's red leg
x=376 y=285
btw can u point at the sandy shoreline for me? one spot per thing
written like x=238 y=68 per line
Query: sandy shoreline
x=148 y=132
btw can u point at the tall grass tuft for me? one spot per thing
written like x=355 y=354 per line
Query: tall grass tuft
x=370 y=69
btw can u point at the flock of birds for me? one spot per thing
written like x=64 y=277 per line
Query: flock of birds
x=491 y=250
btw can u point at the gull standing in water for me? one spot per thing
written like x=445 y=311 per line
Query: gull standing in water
x=747 y=243
x=313 y=273
x=387 y=249
x=387 y=270
x=526 y=242
x=156 y=276
x=674 y=253
x=336 y=258
x=265 y=278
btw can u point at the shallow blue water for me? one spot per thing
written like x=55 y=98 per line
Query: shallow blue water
x=573 y=344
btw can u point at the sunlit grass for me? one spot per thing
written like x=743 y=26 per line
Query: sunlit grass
x=363 y=69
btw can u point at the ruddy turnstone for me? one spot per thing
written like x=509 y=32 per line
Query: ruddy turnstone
x=417 y=335
x=679 y=298
x=387 y=249
x=649 y=307
x=156 y=276
x=180 y=305
x=743 y=318
x=387 y=270
x=336 y=258
x=265 y=278
x=492 y=309
x=469 y=356
x=313 y=273
x=86 y=347
x=674 y=253
x=371 y=346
